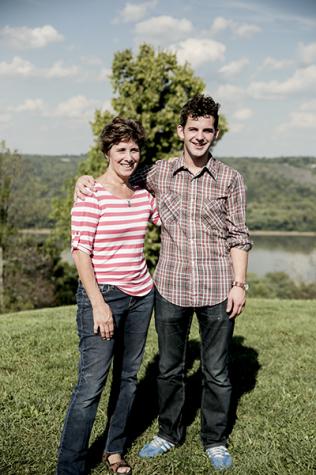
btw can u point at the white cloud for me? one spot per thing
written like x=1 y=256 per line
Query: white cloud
x=243 y=114
x=246 y=30
x=272 y=63
x=58 y=70
x=220 y=24
x=24 y=38
x=22 y=68
x=133 y=12
x=299 y=120
x=243 y=30
x=199 y=51
x=305 y=120
x=235 y=67
x=77 y=107
x=229 y=93
x=309 y=105
x=163 y=29
x=302 y=79
x=29 y=105
x=307 y=52
x=18 y=67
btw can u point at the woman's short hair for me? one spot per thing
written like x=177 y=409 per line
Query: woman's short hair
x=121 y=130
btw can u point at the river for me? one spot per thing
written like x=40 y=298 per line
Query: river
x=294 y=255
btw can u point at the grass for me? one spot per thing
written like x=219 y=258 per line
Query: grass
x=273 y=410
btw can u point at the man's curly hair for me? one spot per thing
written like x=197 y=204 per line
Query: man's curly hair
x=200 y=106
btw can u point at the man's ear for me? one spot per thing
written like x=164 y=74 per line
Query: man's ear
x=217 y=134
x=180 y=132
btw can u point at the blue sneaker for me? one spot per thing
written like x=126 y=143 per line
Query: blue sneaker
x=157 y=446
x=220 y=457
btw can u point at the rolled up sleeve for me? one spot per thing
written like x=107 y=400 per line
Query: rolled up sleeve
x=85 y=217
x=238 y=233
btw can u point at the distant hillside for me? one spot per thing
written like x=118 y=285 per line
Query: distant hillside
x=42 y=179
x=281 y=191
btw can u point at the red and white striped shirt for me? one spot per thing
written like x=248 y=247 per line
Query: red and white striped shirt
x=112 y=231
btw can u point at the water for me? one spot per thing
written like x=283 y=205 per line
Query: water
x=296 y=256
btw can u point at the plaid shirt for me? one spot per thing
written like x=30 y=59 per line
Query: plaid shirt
x=203 y=217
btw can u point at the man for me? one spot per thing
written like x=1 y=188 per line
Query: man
x=202 y=269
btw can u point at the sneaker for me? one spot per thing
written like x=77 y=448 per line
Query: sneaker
x=220 y=457
x=157 y=446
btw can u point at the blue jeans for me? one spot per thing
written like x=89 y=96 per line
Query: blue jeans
x=131 y=316
x=216 y=330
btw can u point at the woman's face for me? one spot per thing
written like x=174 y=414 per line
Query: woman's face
x=124 y=158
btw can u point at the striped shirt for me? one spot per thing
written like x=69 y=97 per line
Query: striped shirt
x=203 y=217
x=112 y=231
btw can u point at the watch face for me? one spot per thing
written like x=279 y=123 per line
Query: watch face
x=246 y=286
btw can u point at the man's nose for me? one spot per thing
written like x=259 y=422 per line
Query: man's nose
x=199 y=135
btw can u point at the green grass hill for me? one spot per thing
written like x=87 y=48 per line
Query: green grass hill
x=273 y=410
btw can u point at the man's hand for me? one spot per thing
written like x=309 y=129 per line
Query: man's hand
x=84 y=187
x=236 y=301
x=103 y=322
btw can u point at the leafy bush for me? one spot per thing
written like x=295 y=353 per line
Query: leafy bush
x=278 y=285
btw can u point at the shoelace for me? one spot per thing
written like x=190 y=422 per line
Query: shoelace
x=219 y=451
x=159 y=442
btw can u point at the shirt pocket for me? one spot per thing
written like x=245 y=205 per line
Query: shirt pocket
x=214 y=215
x=169 y=208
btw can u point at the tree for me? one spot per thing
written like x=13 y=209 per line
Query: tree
x=150 y=87
x=10 y=169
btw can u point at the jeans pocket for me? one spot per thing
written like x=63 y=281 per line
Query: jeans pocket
x=219 y=312
x=82 y=298
x=105 y=289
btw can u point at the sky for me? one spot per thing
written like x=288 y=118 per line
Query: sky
x=256 y=57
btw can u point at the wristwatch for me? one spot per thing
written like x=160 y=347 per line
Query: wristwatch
x=242 y=285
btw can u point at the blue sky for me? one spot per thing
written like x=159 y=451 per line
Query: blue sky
x=257 y=58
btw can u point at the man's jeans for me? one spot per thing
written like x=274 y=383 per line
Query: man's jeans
x=216 y=329
x=132 y=317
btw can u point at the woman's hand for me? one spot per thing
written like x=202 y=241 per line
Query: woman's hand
x=103 y=321
x=84 y=187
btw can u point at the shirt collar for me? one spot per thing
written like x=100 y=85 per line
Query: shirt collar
x=211 y=166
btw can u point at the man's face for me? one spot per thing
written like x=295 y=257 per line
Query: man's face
x=198 y=135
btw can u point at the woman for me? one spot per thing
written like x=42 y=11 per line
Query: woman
x=115 y=297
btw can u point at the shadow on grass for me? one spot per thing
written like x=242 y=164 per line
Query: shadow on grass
x=244 y=367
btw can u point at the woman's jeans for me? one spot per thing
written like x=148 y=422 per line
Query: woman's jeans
x=131 y=316
x=216 y=329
